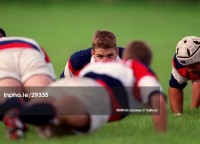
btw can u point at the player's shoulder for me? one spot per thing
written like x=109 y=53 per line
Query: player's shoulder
x=17 y=38
x=182 y=70
x=134 y=64
x=176 y=63
x=121 y=49
x=86 y=53
x=15 y=41
x=140 y=68
x=80 y=58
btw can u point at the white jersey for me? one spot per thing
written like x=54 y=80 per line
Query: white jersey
x=135 y=82
x=116 y=70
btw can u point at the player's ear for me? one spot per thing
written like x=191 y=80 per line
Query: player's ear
x=92 y=51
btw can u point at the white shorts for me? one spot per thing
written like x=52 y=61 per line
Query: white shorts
x=93 y=96
x=21 y=64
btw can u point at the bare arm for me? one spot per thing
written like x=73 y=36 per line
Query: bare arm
x=195 y=95
x=176 y=100
x=159 y=120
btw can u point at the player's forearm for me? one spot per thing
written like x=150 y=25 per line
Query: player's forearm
x=160 y=119
x=176 y=100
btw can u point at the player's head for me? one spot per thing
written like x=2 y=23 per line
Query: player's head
x=188 y=53
x=138 y=50
x=188 y=50
x=104 y=45
x=2 y=33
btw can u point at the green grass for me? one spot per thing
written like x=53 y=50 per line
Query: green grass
x=64 y=29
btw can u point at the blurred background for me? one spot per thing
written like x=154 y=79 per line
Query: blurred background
x=65 y=26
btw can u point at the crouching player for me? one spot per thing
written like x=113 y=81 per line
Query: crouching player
x=185 y=67
x=23 y=64
x=104 y=47
x=85 y=103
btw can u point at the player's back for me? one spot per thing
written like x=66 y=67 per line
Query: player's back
x=18 y=42
x=126 y=74
x=113 y=73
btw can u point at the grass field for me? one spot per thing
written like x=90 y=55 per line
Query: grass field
x=63 y=29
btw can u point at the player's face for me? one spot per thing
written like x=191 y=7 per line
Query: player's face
x=194 y=69
x=100 y=54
